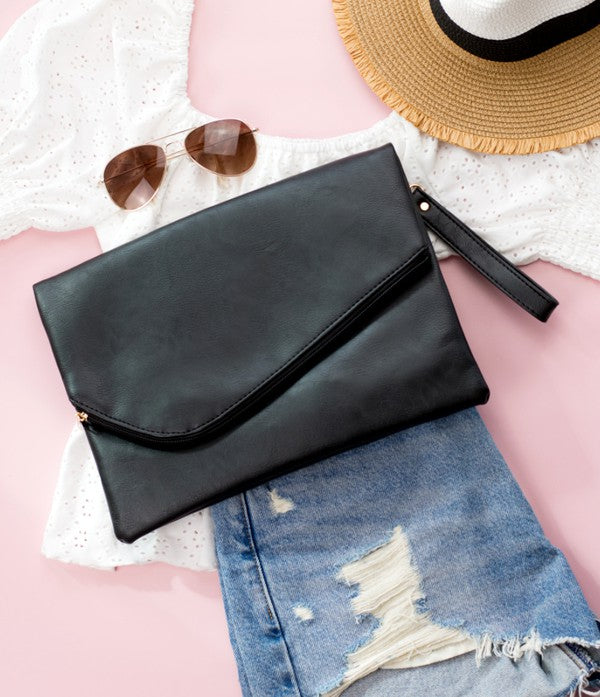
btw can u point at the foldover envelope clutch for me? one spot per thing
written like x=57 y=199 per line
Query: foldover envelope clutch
x=266 y=333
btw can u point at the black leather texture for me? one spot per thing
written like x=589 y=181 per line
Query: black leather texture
x=257 y=336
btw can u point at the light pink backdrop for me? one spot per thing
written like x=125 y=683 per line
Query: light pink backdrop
x=157 y=630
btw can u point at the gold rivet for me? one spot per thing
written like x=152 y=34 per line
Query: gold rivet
x=81 y=416
x=424 y=206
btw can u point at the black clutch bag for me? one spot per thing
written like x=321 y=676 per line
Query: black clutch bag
x=265 y=333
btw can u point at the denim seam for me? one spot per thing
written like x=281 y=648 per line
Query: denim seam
x=575 y=657
x=238 y=654
x=265 y=588
x=260 y=571
x=585 y=666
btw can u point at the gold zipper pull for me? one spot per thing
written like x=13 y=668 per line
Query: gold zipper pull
x=81 y=416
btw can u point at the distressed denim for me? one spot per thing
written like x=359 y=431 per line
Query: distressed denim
x=409 y=565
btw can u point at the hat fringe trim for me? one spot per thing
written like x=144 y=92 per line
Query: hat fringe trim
x=487 y=144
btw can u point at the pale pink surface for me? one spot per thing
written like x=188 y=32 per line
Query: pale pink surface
x=156 y=630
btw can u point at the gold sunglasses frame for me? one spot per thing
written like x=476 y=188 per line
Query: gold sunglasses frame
x=178 y=153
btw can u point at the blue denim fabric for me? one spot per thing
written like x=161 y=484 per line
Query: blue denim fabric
x=485 y=567
x=554 y=674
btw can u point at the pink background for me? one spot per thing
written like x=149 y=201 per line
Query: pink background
x=157 y=630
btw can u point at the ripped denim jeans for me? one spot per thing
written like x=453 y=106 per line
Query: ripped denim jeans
x=411 y=565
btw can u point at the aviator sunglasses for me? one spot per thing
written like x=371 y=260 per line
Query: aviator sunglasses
x=226 y=147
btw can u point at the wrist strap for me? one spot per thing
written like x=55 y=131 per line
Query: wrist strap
x=490 y=263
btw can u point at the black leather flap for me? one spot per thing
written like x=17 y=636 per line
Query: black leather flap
x=181 y=332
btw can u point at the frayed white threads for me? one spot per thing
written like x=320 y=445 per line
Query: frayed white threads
x=517 y=648
x=389 y=589
x=514 y=648
x=305 y=614
x=279 y=504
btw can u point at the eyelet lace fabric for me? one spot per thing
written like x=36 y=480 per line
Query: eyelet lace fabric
x=83 y=81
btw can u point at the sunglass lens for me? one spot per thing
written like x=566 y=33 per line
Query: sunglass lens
x=226 y=147
x=133 y=176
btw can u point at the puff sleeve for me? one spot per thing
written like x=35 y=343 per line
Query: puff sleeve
x=78 y=80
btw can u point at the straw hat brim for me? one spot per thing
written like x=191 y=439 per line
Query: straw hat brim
x=546 y=102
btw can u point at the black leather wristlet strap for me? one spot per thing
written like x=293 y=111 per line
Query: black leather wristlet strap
x=490 y=263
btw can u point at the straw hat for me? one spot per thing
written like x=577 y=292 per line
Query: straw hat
x=498 y=76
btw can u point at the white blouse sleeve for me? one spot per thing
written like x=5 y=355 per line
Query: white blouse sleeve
x=80 y=81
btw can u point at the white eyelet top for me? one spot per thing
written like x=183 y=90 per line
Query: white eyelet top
x=99 y=76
